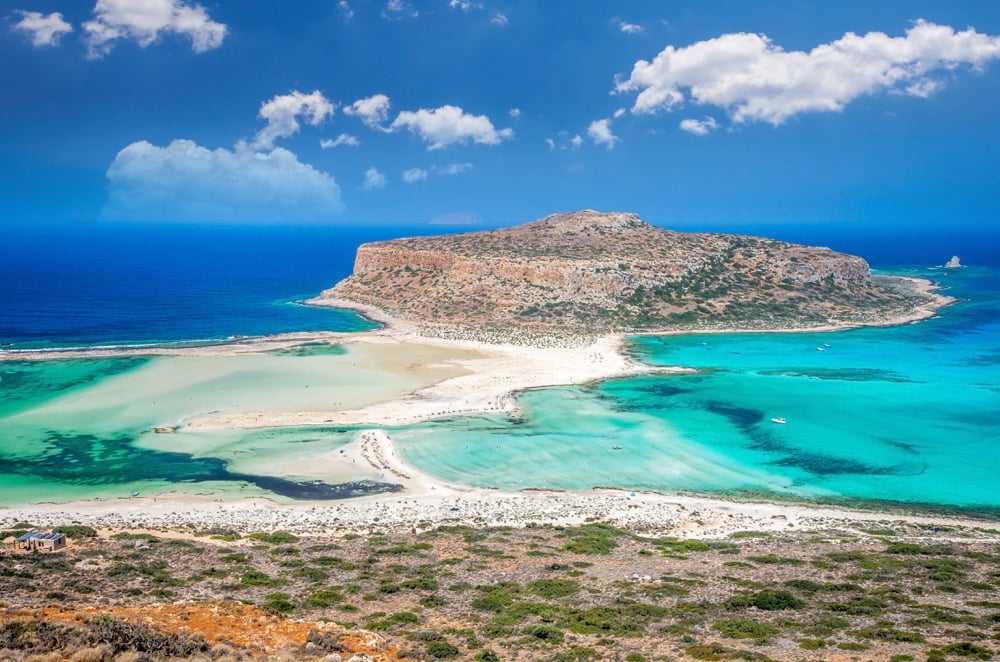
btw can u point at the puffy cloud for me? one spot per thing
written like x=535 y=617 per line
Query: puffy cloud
x=43 y=29
x=373 y=179
x=700 y=127
x=619 y=113
x=629 y=28
x=565 y=141
x=282 y=115
x=464 y=5
x=452 y=169
x=145 y=20
x=756 y=80
x=414 y=175
x=447 y=125
x=600 y=132
x=187 y=182
x=499 y=19
x=514 y=112
x=397 y=9
x=342 y=139
x=371 y=110
x=345 y=8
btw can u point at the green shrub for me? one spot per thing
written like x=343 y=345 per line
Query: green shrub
x=592 y=539
x=554 y=588
x=884 y=631
x=766 y=600
x=441 y=649
x=275 y=538
x=743 y=628
x=76 y=531
x=324 y=598
x=575 y=654
x=279 y=603
x=966 y=649
x=546 y=633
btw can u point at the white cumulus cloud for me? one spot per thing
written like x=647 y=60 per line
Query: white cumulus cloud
x=754 y=79
x=282 y=115
x=342 y=139
x=514 y=112
x=440 y=127
x=186 y=182
x=699 y=127
x=499 y=19
x=145 y=20
x=371 y=110
x=629 y=28
x=373 y=179
x=414 y=175
x=576 y=141
x=43 y=29
x=600 y=132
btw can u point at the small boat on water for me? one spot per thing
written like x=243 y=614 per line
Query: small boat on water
x=616 y=447
x=779 y=421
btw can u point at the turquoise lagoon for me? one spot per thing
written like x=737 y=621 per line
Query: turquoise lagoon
x=904 y=415
x=907 y=414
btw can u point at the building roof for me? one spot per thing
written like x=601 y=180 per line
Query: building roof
x=38 y=535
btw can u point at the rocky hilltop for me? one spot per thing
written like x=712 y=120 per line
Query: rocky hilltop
x=593 y=272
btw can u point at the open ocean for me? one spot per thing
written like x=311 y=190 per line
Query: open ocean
x=904 y=416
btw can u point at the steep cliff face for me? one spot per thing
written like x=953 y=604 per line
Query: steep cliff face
x=609 y=271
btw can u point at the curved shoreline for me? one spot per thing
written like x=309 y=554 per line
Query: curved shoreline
x=491 y=380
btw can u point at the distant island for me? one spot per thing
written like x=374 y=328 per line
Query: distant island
x=594 y=273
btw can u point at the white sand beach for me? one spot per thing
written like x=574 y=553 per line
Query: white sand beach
x=427 y=502
x=441 y=378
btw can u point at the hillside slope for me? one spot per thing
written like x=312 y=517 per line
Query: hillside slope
x=595 y=272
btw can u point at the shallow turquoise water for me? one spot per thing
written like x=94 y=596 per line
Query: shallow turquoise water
x=906 y=414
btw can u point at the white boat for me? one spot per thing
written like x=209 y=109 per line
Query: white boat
x=780 y=421
x=616 y=447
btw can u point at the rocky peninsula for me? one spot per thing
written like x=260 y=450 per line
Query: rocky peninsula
x=594 y=273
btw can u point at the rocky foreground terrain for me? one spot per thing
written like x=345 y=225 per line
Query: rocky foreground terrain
x=897 y=591
x=592 y=272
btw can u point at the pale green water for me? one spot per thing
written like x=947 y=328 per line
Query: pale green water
x=84 y=428
x=908 y=414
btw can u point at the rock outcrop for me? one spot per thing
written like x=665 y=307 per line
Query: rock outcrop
x=597 y=272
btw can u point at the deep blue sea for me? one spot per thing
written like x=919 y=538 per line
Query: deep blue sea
x=906 y=415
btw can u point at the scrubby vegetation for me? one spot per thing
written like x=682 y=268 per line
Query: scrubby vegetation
x=590 y=592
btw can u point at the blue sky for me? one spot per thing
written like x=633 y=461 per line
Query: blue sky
x=399 y=112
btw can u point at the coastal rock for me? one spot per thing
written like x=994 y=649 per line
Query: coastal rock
x=953 y=263
x=597 y=272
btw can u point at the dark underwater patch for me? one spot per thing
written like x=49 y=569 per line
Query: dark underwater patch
x=828 y=465
x=842 y=374
x=84 y=459
x=743 y=417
